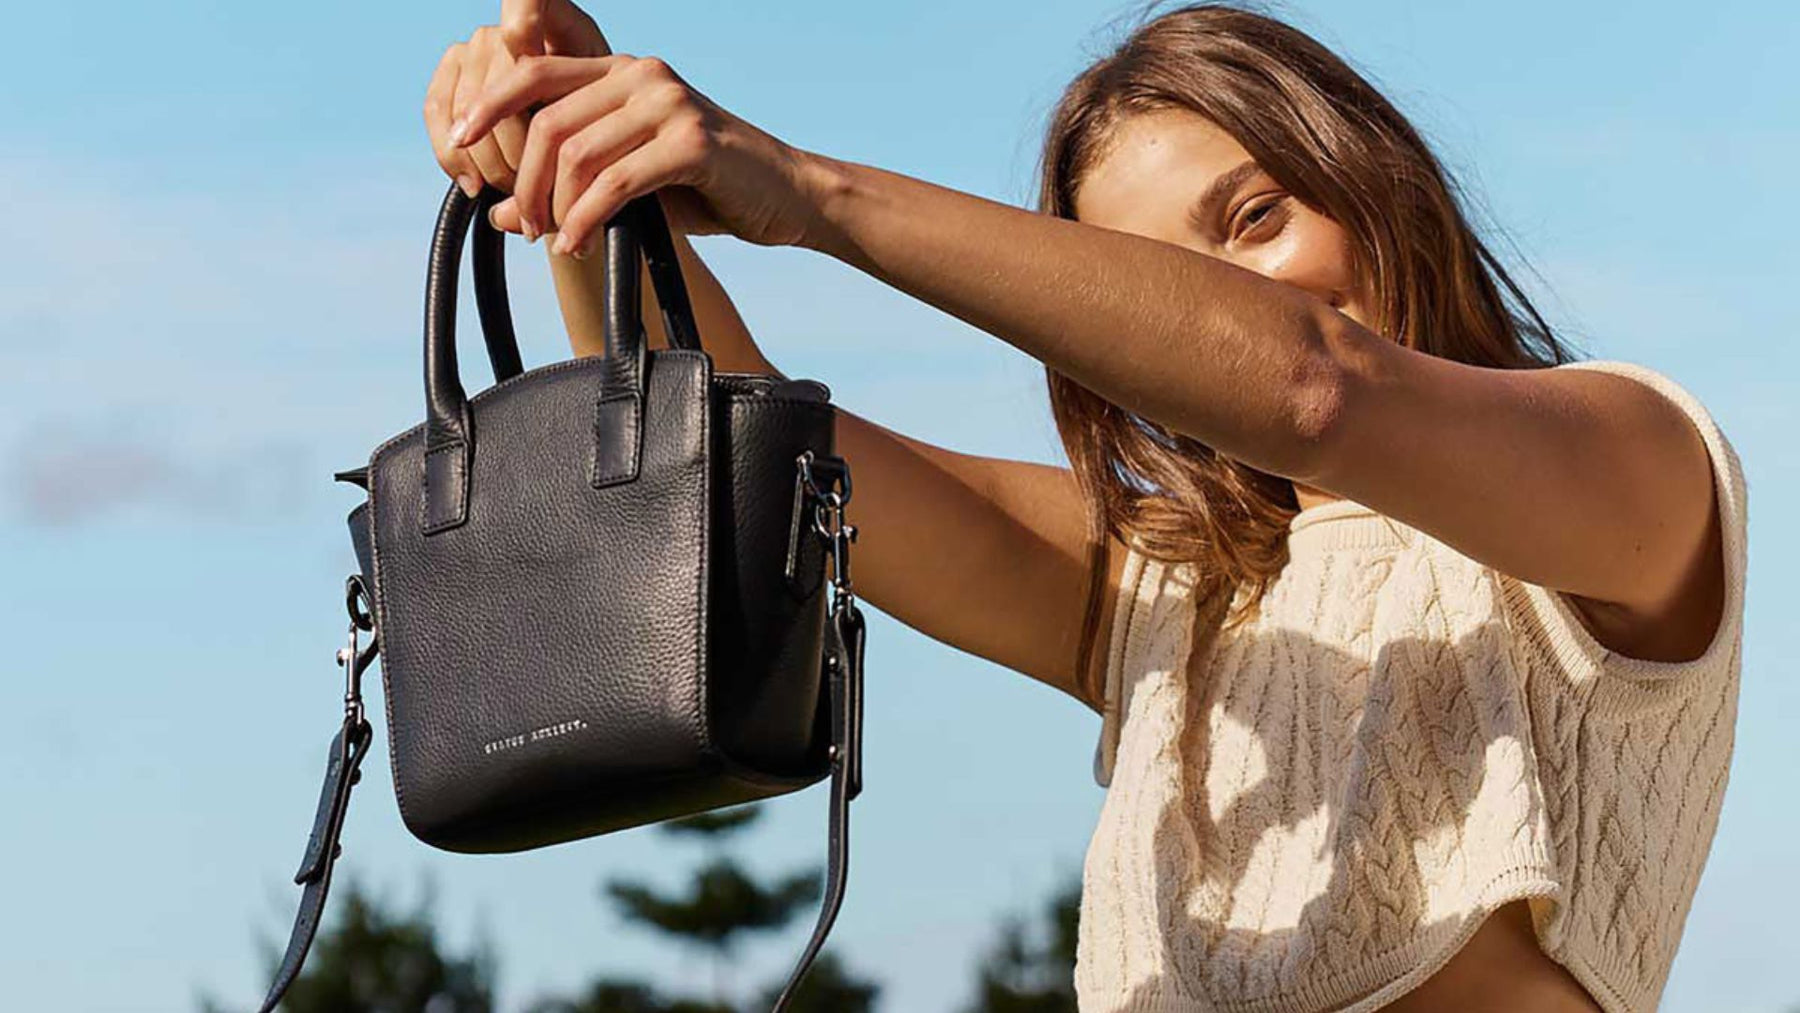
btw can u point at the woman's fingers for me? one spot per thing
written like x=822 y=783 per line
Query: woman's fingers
x=530 y=79
x=555 y=27
x=522 y=26
x=509 y=133
x=470 y=85
x=509 y=137
x=669 y=158
x=440 y=105
x=566 y=144
x=602 y=107
x=610 y=129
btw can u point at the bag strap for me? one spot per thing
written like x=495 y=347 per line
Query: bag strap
x=843 y=661
x=343 y=769
x=844 y=676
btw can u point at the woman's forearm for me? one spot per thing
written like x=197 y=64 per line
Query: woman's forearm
x=1209 y=349
x=581 y=292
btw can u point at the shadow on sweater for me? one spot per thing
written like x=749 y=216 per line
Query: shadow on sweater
x=1417 y=756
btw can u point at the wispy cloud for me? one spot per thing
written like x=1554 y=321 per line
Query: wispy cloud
x=256 y=342
x=62 y=476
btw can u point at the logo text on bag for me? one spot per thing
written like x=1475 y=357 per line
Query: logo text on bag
x=535 y=735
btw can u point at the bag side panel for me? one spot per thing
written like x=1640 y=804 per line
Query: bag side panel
x=767 y=634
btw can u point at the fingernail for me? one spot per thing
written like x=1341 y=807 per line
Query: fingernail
x=581 y=252
x=562 y=243
x=456 y=132
x=469 y=185
x=531 y=232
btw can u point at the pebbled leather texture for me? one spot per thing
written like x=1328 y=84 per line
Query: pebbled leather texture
x=595 y=589
x=546 y=664
x=765 y=635
x=578 y=575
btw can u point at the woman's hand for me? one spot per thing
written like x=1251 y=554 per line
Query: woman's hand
x=526 y=28
x=618 y=126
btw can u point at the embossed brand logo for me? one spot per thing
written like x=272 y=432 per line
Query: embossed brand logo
x=535 y=735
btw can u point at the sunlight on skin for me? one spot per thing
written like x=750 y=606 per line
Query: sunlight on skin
x=1152 y=182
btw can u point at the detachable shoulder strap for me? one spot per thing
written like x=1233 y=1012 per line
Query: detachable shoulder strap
x=843 y=663
x=844 y=677
x=322 y=850
x=343 y=769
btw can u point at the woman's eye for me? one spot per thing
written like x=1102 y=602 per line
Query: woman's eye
x=1259 y=214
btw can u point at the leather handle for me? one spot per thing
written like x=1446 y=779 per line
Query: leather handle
x=642 y=223
x=491 y=302
x=446 y=405
x=640 y=226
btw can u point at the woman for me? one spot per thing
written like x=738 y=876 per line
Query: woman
x=1416 y=643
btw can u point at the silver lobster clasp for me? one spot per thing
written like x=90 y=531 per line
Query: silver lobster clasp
x=353 y=657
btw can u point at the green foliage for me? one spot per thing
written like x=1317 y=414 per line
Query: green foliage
x=1020 y=976
x=827 y=988
x=369 y=959
x=720 y=904
x=714 y=823
x=613 y=996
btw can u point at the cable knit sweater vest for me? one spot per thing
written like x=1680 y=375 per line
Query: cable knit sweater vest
x=1314 y=811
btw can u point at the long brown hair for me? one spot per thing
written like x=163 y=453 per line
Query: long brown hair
x=1329 y=138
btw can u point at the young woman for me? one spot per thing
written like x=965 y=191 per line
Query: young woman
x=1416 y=643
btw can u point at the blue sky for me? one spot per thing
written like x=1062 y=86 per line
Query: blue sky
x=217 y=217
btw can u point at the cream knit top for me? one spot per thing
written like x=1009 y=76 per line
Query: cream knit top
x=1315 y=811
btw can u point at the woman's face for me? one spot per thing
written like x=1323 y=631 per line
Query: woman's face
x=1173 y=175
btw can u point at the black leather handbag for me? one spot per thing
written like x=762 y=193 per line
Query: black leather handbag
x=597 y=589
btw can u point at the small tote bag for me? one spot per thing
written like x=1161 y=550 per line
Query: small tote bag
x=597 y=588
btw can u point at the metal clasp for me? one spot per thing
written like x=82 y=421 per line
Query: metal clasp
x=828 y=521
x=828 y=514
x=353 y=657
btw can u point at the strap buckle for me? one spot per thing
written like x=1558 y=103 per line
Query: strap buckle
x=353 y=658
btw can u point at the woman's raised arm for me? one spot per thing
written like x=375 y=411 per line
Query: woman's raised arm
x=985 y=554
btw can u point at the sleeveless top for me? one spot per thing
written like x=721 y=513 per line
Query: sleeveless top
x=1315 y=811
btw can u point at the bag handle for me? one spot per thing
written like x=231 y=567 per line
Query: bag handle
x=495 y=308
x=637 y=228
x=491 y=302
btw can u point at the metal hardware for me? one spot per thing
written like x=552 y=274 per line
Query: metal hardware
x=354 y=658
x=828 y=517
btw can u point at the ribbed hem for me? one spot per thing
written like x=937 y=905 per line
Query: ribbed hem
x=1340 y=524
x=1129 y=620
x=1731 y=499
x=1612 y=984
x=1554 y=625
x=1529 y=873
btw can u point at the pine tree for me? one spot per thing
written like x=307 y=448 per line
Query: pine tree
x=827 y=988
x=1020 y=976
x=720 y=905
x=372 y=959
x=613 y=996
